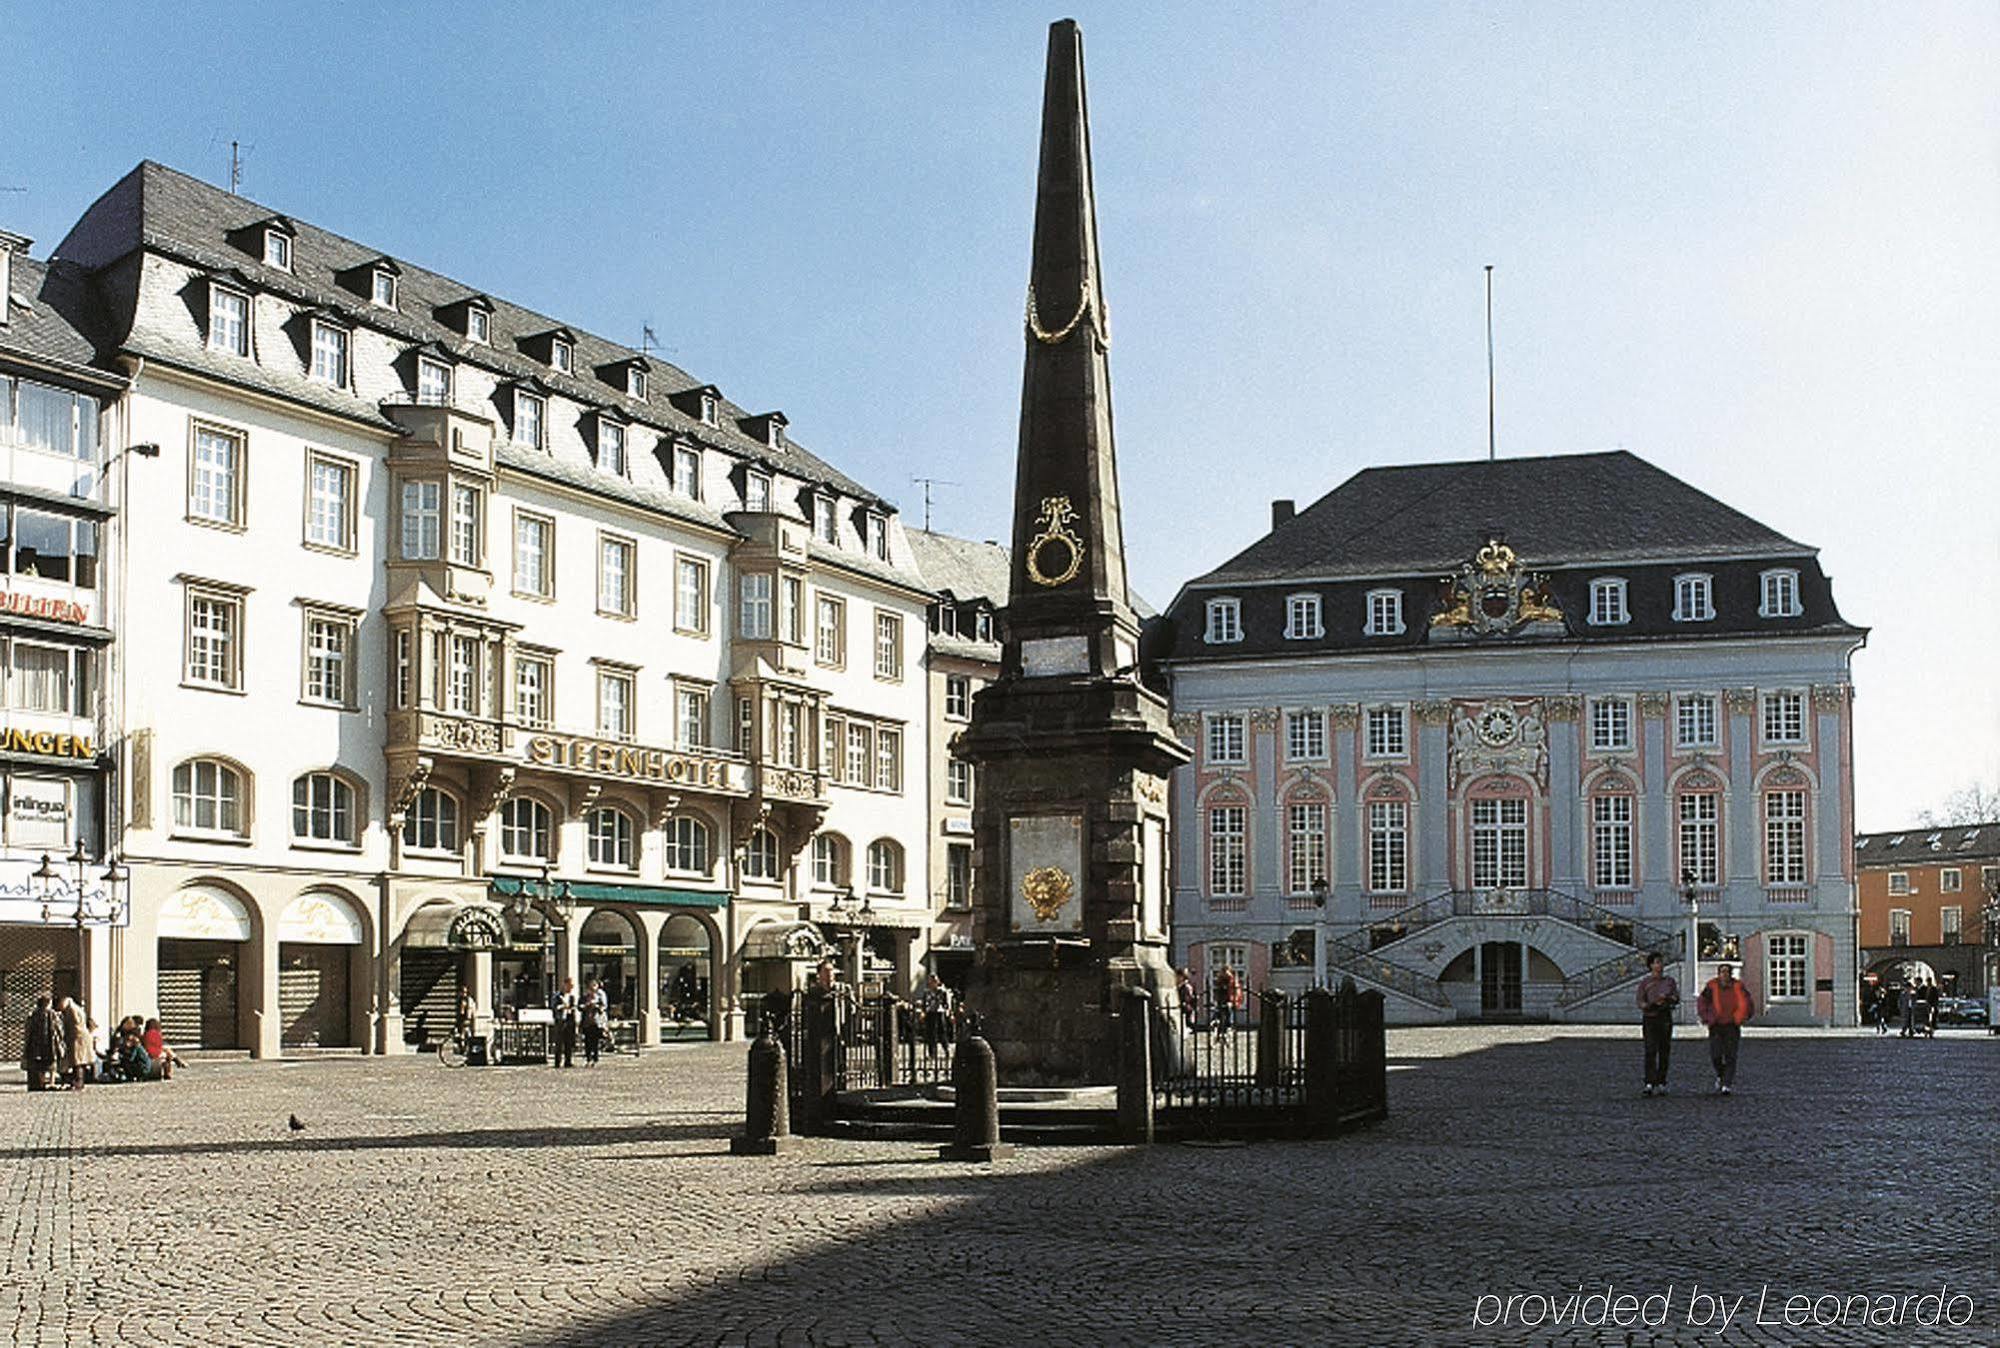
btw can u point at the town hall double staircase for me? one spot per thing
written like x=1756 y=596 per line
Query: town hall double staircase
x=1369 y=955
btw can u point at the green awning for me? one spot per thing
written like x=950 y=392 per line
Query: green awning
x=592 y=892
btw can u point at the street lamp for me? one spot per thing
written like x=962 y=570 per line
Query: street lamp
x=1320 y=888
x=556 y=903
x=1692 y=897
x=83 y=914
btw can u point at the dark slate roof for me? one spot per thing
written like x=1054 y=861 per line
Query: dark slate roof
x=961 y=568
x=1563 y=509
x=170 y=213
x=53 y=315
x=1923 y=846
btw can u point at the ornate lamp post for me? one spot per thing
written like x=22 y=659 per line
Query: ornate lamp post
x=556 y=903
x=84 y=915
x=1320 y=887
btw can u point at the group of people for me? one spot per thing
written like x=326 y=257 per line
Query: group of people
x=1225 y=1001
x=59 y=1049
x=1917 y=1004
x=585 y=1016
x=1723 y=1006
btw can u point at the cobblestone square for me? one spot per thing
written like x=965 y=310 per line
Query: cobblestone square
x=526 y=1206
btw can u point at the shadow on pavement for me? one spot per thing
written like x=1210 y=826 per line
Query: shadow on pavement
x=466 y=1140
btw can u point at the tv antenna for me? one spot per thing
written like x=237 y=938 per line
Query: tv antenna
x=235 y=167
x=927 y=483
x=1492 y=444
x=649 y=341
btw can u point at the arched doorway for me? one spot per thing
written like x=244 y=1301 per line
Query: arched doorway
x=686 y=970
x=318 y=937
x=608 y=954
x=204 y=934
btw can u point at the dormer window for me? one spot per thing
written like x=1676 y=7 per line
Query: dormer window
x=528 y=412
x=433 y=382
x=611 y=446
x=756 y=491
x=1694 y=598
x=1385 y=613
x=775 y=435
x=478 y=326
x=562 y=355
x=1781 y=595
x=329 y=353
x=228 y=320
x=982 y=625
x=277 y=248
x=1302 y=617
x=1607 y=602
x=635 y=382
x=382 y=288
x=687 y=471
x=708 y=409
x=1225 y=621
x=826 y=521
x=878 y=535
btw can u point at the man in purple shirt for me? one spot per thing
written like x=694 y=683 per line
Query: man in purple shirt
x=1659 y=994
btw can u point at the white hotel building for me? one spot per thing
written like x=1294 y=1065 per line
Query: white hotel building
x=461 y=648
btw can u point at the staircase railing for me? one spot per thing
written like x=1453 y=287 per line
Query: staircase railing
x=1599 y=978
x=1349 y=954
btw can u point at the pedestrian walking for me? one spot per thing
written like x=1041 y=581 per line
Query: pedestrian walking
x=41 y=1044
x=1184 y=992
x=77 y=1046
x=595 y=1012
x=1723 y=1006
x=563 y=1006
x=1228 y=996
x=1659 y=994
x=934 y=1001
x=1912 y=1008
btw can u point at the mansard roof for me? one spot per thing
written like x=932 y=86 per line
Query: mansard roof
x=1554 y=511
x=1923 y=845
x=164 y=211
x=53 y=317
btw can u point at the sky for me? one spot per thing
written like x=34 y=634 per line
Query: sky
x=1755 y=244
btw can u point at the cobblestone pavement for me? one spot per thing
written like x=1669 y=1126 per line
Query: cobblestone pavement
x=526 y=1206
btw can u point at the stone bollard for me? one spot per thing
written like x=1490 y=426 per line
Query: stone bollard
x=1135 y=1068
x=975 y=1115
x=767 y=1116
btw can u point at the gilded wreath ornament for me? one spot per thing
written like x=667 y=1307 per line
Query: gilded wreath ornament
x=1047 y=890
x=1056 y=515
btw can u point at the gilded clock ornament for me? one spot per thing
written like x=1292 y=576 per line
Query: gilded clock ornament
x=1047 y=890
x=1498 y=725
x=1055 y=519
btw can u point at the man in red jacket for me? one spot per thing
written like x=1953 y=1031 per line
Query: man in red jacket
x=1723 y=1006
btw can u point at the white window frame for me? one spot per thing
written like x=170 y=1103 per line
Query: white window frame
x=229 y=809
x=1694 y=597
x=958 y=697
x=536 y=420
x=1499 y=842
x=1608 y=602
x=1951 y=880
x=1303 y=617
x=1698 y=833
x=1693 y=711
x=74 y=666
x=433 y=824
x=611 y=839
x=1787 y=967
x=478 y=325
x=1225 y=622
x=534 y=689
x=1306 y=852
x=1610 y=725
x=692 y=709
x=382 y=288
x=434 y=382
x=1899 y=927
x=829 y=631
x=330 y=525
x=1305 y=735
x=691 y=594
x=1951 y=924
x=1385 y=614
x=1612 y=820
x=687 y=472
x=220 y=334
x=1227 y=740
x=1778 y=709
x=888 y=759
x=327 y=657
x=617 y=587
x=1778 y=589
x=536 y=581
x=223 y=671
x=562 y=356
x=878 y=535
x=618 y=704
x=468 y=524
x=957 y=782
x=330 y=817
x=1228 y=851
x=214 y=486
x=888 y=646
x=332 y=353
x=1899 y=884
x=1786 y=836
x=885 y=866
x=611 y=455
x=277 y=249
x=826 y=520
x=420 y=519
x=756 y=605
x=1388 y=847
x=527 y=830
x=635 y=383
x=756 y=492
x=1386 y=733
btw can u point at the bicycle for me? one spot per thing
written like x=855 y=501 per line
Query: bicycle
x=451 y=1049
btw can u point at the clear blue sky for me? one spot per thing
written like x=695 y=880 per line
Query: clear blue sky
x=1754 y=243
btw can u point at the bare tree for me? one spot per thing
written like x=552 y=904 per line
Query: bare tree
x=1973 y=803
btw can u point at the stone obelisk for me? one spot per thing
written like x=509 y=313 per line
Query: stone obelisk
x=1073 y=749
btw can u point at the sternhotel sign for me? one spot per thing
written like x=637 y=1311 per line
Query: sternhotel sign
x=635 y=763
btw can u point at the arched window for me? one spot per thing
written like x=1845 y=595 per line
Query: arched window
x=527 y=829
x=611 y=837
x=323 y=808
x=760 y=856
x=432 y=822
x=885 y=866
x=687 y=845
x=208 y=798
x=830 y=868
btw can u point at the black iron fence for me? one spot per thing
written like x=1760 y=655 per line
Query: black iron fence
x=836 y=1042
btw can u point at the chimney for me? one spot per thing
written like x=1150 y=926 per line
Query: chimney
x=1282 y=511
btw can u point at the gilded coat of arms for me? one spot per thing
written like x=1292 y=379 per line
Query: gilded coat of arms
x=1494 y=593
x=1047 y=889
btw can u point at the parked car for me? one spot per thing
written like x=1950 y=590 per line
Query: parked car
x=1961 y=1011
